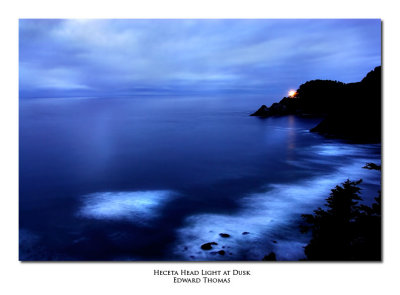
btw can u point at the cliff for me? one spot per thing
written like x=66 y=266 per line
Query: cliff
x=351 y=111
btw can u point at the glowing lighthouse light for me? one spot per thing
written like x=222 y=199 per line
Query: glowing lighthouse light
x=292 y=93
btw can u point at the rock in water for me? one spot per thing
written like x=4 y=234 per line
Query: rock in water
x=224 y=235
x=270 y=257
x=208 y=246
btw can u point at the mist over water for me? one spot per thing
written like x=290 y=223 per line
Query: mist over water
x=155 y=178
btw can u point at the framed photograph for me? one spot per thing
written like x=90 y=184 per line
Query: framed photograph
x=200 y=140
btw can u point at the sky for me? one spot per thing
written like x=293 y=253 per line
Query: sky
x=144 y=57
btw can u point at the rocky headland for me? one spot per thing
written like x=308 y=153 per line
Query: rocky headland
x=350 y=111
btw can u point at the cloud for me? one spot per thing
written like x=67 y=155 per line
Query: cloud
x=111 y=57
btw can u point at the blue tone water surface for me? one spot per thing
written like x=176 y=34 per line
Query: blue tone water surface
x=155 y=178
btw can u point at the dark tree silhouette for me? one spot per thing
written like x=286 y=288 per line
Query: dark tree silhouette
x=345 y=230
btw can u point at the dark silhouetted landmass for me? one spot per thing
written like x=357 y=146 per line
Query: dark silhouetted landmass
x=345 y=230
x=350 y=111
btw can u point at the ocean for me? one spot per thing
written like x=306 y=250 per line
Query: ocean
x=155 y=178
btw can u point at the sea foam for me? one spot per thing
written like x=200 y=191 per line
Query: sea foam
x=136 y=206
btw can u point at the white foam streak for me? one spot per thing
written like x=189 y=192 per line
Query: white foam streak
x=138 y=206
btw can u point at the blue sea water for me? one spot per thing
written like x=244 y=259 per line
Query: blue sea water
x=154 y=178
